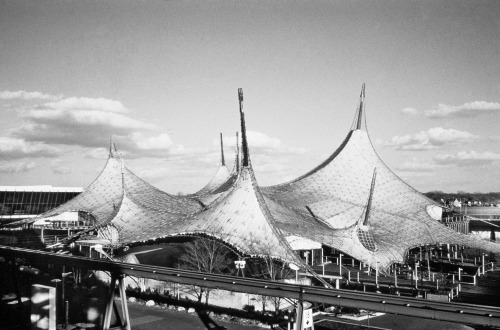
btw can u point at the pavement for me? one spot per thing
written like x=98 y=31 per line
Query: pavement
x=152 y=318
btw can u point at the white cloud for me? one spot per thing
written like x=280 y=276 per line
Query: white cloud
x=162 y=141
x=409 y=111
x=16 y=167
x=433 y=138
x=471 y=109
x=62 y=170
x=415 y=165
x=468 y=158
x=79 y=121
x=260 y=143
x=18 y=148
x=8 y=95
x=137 y=145
x=87 y=103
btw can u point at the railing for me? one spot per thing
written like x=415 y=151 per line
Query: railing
x=455 y=312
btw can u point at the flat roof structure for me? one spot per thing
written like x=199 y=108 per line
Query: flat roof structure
x=22 y=202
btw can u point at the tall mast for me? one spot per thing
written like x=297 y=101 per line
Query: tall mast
x=222 y=151
x=237 y=153
x=244 y=144
x=369 y=204
x=361 y=107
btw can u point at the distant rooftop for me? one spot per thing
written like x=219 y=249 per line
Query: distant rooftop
x=43 y=188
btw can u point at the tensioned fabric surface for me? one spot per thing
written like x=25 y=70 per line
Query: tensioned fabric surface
x=238 y=216
x=335 y=193
x=102 y=198
x=328 y=205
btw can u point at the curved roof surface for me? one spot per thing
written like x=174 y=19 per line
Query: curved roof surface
x=340 y=203
x=336 y=194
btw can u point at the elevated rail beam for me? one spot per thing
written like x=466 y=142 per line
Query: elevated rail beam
x=454 y=312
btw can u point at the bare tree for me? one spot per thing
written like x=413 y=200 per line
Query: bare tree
x=270 y=269
x=208 y=256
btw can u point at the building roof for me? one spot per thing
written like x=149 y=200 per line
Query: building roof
x=352 y=202
x=43 y=188
x=103 y=196
x=336 y=194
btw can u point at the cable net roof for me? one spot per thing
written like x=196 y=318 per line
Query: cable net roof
x=327 y=205
x=221 y=182
x=336 y=193
x=239 y=218
x=102 y=198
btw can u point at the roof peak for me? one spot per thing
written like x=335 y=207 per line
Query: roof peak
x=113 y=153
x=223 y=163
x=359 y=117
x=237 y=162
x=244 y=142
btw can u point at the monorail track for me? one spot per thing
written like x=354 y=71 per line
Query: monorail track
x=454 y=312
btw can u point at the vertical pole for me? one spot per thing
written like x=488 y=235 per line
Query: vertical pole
x=459 y=275
x=62 y=293
x=123 y=297
x=340 y=264
x=376 y=273
x=109 y=304
x=395 y=279
x=300 y=312
x=66 y=315
x=484 y=268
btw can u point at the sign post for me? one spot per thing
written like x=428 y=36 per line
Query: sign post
x=307 y=319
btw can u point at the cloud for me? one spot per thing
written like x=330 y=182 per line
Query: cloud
x=79 y=121
x=415 y=165
x=18 y=148
x=260 y=143
x=433 y=138
x=409 y=111
x=23 y=95
x=468 y=158
x=16 y=167
x=62 y=170
x=58 y=168
x=87 y=103
x=136 y=145
x=471 y=109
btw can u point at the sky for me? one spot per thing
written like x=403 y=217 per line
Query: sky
x=160 y=79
